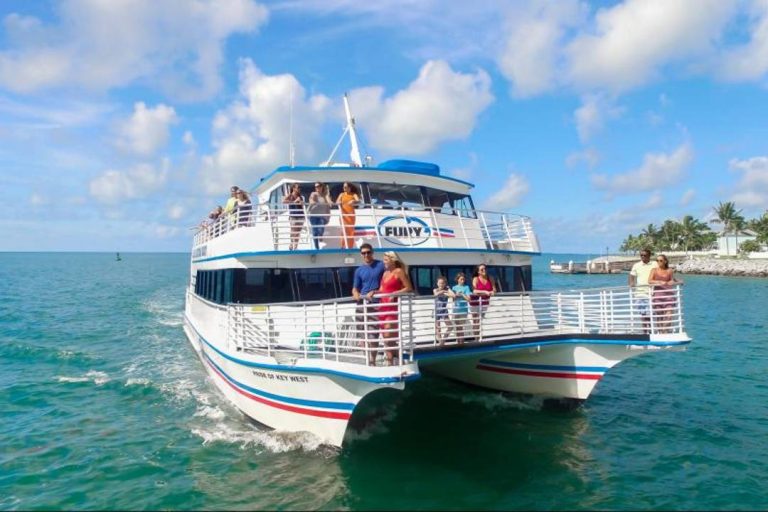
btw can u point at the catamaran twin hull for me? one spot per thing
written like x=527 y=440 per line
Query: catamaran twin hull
x=316 y=384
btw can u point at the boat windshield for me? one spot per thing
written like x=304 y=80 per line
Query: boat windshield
x=392 y=195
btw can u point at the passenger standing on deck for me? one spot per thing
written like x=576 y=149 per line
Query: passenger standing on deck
x=348 y=200
x=662 y=278
x=295 y=203
x=638 y=280
x=319 y=211
x=394 y=281
x=243 y=208
x=442 y=293
x=366 y=282
x=460 y=305
x=231 y=204
x=482 y=291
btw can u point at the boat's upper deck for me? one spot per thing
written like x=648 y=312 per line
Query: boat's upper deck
x=401 y=205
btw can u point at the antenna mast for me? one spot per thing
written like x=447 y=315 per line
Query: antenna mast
x=354 y=153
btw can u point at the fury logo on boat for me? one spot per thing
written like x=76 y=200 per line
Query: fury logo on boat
x=404 y=230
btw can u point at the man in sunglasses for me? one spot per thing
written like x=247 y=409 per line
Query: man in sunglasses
x=638 y=280
x=365 y=283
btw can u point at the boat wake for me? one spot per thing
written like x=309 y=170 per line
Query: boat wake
x=165 y=308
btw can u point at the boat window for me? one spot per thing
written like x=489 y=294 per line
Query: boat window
x=276 y=199
x=395 y=196
x=449 y=203
x=346 y=280
x=260 y=285
x=315 y=284
x=506 y=279
x=334 y=189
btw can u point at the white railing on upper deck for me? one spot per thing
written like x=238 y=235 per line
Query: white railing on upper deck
x=343 y=330
x=277 y=229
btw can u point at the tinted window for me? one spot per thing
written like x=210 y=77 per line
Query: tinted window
x=393 y=195
x=315 y=284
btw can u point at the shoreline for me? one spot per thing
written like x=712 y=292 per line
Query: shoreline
x=724 y=267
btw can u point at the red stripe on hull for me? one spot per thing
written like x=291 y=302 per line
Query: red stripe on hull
x=529 y=373
x=277 y=405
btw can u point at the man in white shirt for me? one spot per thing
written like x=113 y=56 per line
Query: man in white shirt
x=638 y=279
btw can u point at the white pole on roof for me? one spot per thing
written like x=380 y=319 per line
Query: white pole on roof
x=354 y=153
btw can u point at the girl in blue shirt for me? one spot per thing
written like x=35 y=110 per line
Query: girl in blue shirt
x=460 y=305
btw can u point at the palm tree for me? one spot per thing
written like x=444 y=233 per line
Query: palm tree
x=692 y=233
x=649 y=236
x=728 y=216
x=760 y=226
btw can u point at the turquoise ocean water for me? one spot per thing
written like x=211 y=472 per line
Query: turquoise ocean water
x=103 y=405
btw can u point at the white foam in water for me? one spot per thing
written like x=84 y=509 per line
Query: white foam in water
x=210 y=412
x=72 y=379
x=167 y=312
x=137 y=382
x=94 y=376
x=247 y=437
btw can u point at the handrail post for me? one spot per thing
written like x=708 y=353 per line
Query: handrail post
x=268 y=318
x=376 y=225
x=582 y=326
x=486 y=233
x=436 y=226
x=463 y=229
x=651 y=312
x=405 y=221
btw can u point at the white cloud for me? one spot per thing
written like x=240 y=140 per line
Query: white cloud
x=439 y=105
x=465 y=173
x=176 y=211
x=139 y=181
x=687 y=197
x=749 y=61
x=188 y=138
x=97 y=45
x=654 y=201
x=590 y=156
x=752 y=187
x=532 y=53
x=252 y=135
x=632 y=41
x=146 y=131
x=657 y=171
x=591 y=116
x=510 y=195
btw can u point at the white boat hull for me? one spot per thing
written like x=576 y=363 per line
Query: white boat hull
x=551 y=369
x=306 y=396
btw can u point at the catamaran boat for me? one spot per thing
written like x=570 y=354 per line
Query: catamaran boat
x=271 y=316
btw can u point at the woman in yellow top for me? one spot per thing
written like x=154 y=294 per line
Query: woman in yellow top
x=348 y=201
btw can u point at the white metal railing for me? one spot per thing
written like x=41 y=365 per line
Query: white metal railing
x=364 y=332
x=378 y=224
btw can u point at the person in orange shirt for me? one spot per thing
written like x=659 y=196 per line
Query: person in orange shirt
x=348 y=201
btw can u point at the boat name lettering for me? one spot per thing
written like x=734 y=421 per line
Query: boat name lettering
x=280 y=376
x=404 y=230
x=200 y=252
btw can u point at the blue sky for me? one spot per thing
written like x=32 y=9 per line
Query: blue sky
x=123 y=123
